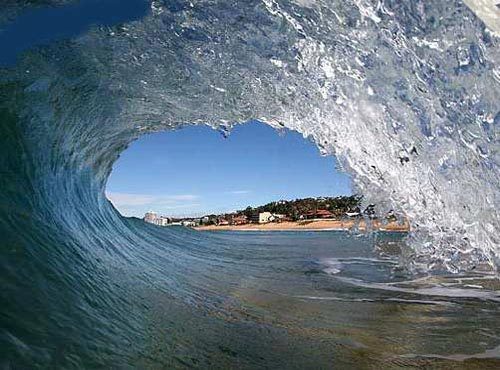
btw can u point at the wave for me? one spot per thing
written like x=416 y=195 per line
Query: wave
x=403 y=93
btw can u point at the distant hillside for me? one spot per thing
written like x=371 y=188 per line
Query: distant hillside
x=295 y=208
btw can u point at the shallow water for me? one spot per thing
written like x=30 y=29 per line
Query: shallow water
x=330 y=299
x=251 y=299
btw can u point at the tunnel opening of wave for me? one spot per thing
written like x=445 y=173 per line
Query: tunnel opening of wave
x=195 y=171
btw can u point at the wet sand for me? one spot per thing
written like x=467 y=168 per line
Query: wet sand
x=312 y=225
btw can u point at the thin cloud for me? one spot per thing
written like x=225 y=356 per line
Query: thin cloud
x=129 y=200
x=178 y=198
x=240 y=192
x=182 y=206
x=134 y=200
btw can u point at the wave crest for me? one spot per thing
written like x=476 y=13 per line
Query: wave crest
x=404 y=93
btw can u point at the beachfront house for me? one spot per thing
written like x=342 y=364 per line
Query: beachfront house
x=188 y=223
x=222 y=222
x=150 y=217
x=317 y=214
x=239 y=220
x=163 y=221
x=323 y=213
x=277 y=217
x=262 y=217
x=265 y=217
x=153 y=218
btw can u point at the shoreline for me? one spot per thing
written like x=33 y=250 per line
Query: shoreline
x=312 y=225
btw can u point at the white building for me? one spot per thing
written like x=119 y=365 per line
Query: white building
x=151 y=217
x=265 y=217
x=277 y=217
x=163 y=221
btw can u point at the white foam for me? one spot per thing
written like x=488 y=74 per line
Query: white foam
x=440 y=291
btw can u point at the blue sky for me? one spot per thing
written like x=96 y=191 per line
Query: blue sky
x=195 y=170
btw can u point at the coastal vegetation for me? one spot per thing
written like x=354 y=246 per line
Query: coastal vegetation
x=324 y=209
x=294 y=209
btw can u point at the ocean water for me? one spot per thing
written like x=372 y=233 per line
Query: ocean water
x=403 y=93
x=186 y=299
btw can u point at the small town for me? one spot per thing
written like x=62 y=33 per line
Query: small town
x=283 y=211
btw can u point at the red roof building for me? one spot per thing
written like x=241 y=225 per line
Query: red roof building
x=320 y=213
x=323 y=213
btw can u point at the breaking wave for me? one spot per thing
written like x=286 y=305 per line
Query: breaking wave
x=403 y=93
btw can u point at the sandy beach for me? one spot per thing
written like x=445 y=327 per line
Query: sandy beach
x=312 y=225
